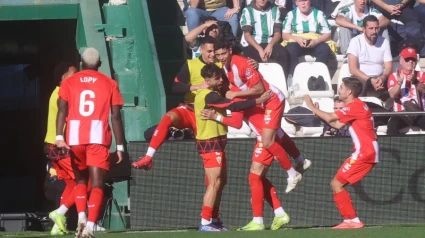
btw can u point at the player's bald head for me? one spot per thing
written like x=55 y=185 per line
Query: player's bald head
x=90 y=58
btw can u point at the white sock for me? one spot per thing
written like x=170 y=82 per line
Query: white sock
x=258 y=220
x=151 y=152
x=62 y=210
x=347 y=220
x=90 y=225
x=82 y=215
x=279 y=212
x=357 y=220
x=299 y=159
x=56 y=226
x=291 y=172
x=205 y=222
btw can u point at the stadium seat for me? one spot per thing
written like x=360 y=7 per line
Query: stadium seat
x=410 y=130
x=274 y=75
x=344 y=71
x=304 y=71
x=325 y=104
x=286 y=126
x=372 y=99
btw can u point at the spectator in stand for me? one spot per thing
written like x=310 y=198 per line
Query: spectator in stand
x=401 y=10
x=263 y=32
x=350 y=20
x=420 y=10
x=367 y=53
x=330 y=131
x=211 y=27
x=406 y=86
x=215 y=8
x=307 y=30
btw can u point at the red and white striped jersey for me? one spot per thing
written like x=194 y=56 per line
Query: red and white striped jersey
x=90 y=96
x=243 y=76
x=358 y=117
x=408 y=91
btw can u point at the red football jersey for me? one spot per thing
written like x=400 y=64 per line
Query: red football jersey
x=243 y=76
x=408 y=91
x=90 y=95
x=358 y=117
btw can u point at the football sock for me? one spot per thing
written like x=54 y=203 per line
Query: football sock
x=90 y=225
x=270 y=194
x=80 y=194
x=160 y=133
x=257 y=194
x=345 y=205
x=277 y=151
x=355 y=220
x=68 y=191
x=95 y=204
x=206 y=215
x=258 y=220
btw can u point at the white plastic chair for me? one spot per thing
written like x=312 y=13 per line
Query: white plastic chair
x=344 y=71
x=303 y=72
x=287 y=127
x=372 y=99
x=274 y=75
x=325 y=104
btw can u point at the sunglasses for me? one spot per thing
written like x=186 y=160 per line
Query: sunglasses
x=410 y=59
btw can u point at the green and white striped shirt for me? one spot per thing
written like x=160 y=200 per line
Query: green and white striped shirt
x=351 y=15
x=262 y=23
x=315 y=22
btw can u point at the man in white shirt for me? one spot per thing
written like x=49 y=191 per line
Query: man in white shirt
x=369 y=58
x=350 y=20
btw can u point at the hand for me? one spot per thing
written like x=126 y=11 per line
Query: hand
x=230 y=94
x=203 y=85
x=120 y=156
x=230 y=13
x=264 y=97
x=410 y=76
x=261 y=53
x=300 y=41
x=209 y=23
x=308 y=102
x=421 y=87
x=327 y=133
x=268 y=51
x=393 y=9
x=399 y=76
x=253 y=63
x=312 y=44
x=62 y=144
x=316 y=104
x=208 y=114
x=359 y=29
x=377 y=83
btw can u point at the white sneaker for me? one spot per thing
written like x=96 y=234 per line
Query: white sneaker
x=301 y=168
x=87 y=233
x=80 y=227
x=293 y=181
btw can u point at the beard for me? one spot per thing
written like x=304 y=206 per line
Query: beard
x=372 y=38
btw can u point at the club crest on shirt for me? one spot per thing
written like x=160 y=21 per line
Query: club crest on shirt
x=218 y=158
x=344 y=110
x=248 y=73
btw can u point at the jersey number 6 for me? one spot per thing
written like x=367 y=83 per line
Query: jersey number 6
x=86 y=106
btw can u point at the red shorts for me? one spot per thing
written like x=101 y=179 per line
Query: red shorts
x=214 y=159
x=353 y=171
x=261 y=155
x=63 y=168
x=92 y=155
x=186 y=117
x=273 y=113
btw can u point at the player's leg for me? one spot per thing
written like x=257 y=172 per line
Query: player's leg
x=350 y=172
x=179 y=117
x=216 y=209
x=291 y=148
x=64 y=171
x=98 y=165
x=270 y=195
x=257 y=196
x=212 y=166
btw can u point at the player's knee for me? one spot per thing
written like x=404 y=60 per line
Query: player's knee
x=267 y=143
x=335 y=185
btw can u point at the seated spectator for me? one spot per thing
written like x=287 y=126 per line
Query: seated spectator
x=262 y=31
x=420 y=10
x=350 y=20
x=307 y=31
x=211 y=27
x=401 y=10
x=406 y=86
x=367 y=53
x=215 y=8
x=330 y=131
